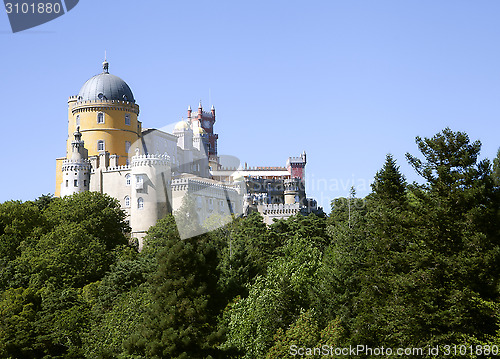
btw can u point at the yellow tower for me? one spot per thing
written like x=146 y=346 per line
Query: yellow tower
x=106 y=112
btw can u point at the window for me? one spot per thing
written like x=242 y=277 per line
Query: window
x=100 y=117
x=139 y=182
x=85 y=183
x=127 y=119
x=127 y=146
x=140 y=203
x=127 y=201
x=67 y=183
x=76 y=183
x=100 y=145
x=127 y=179
x=77 y=120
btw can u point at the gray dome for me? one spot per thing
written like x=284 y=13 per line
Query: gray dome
x=105 y=87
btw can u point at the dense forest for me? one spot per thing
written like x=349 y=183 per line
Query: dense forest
x=411 y=265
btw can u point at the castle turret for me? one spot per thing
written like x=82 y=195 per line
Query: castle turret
x=76 y=168
x=150 y=195
x=296 y=166
x=291 y=190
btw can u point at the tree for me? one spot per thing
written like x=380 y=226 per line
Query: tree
x=455 y=250
x=343 y=262
x=377 y=305
x=305 y=333
x=181 y=319
x=274 y=300
x=432 y=261
x=99 y=214
x=496 y=169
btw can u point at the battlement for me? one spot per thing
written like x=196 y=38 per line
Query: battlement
x=183 y=184
x=279 y=209
x=150 y=160
x=115 y=104
x=118 y=168
x=75 y=165
x=276 y=168
x=205 y=114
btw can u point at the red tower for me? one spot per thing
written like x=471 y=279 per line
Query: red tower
x=206 y=120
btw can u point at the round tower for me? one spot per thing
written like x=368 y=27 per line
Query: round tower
x=150 y=195
x=106 y=112
x=291 y=190
x=76 y=168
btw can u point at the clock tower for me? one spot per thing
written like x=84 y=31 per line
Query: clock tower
x=206 y=120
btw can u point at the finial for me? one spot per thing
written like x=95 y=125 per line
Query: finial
x=213 y=108
x=105 y=64
x=77 y=134
x=199 y=106
x=189 y=108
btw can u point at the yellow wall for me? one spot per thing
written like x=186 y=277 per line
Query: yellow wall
x=113 y=131
x=59 y=176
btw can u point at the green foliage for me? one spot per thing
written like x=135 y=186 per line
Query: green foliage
x=50 y=249
x=410 y=265
x=496 y=169
x=180 y=322
x=305 y=333
x=274 y=300
x=432 y=259
x=67 y=256
x=100 y=215
x=18 y=309
x=311 y=227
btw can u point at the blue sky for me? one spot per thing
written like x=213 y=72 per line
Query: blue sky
x=346 y=81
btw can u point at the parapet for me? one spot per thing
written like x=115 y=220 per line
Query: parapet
x=91 y=105
x=150 y=160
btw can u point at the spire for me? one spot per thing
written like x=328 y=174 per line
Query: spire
x=199 y=106
x=213 y=108
x=189 y=108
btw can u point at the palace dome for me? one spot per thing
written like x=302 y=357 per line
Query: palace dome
x=105 y=87
x=181 y=126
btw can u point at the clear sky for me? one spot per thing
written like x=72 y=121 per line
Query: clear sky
x=347 y=81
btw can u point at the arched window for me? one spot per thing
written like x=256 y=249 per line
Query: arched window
x=127 y=201
x=100 y=145
x=77 y=120
x=100 y=117
x=127 y=119
x=127 y=146
x=140 y=203
x=127 y=179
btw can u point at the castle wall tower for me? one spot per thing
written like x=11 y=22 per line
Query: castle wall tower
x=206 y=121
x=296 y=166
x=150 y=192
x=75 y=170
x=107 y=115
x=291 y=190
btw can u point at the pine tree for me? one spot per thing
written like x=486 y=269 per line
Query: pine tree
x=181 y=319
x=496 y=169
